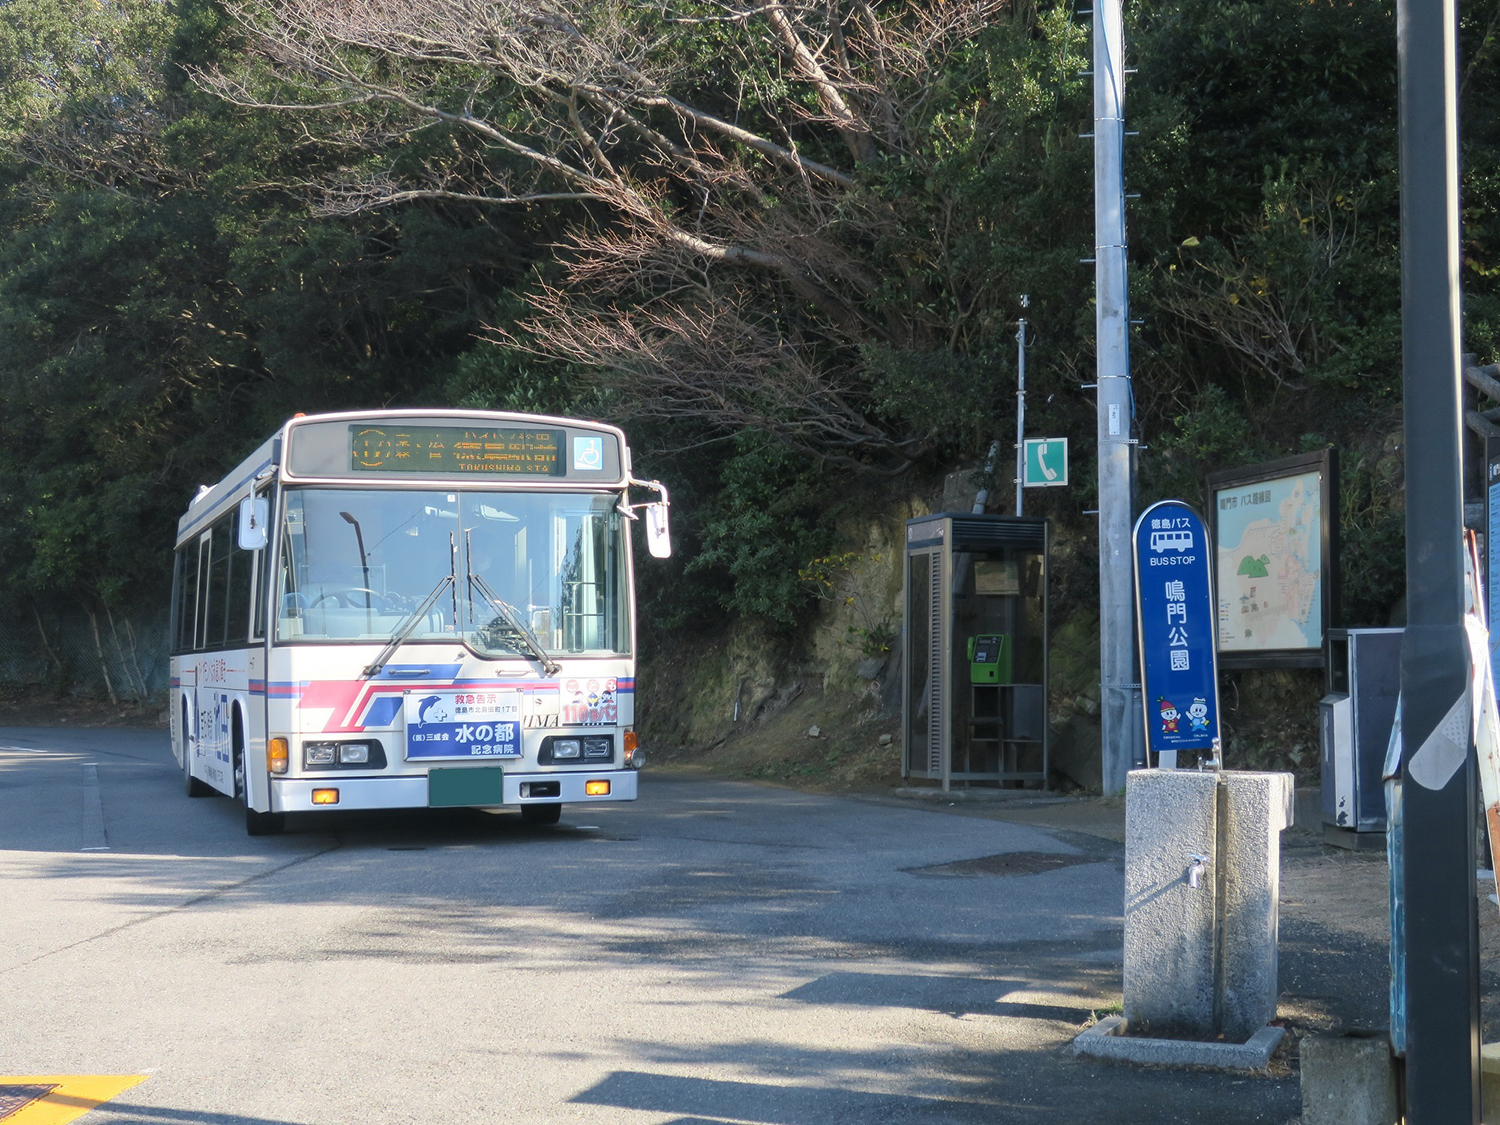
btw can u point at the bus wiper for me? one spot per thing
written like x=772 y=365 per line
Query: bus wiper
x=405 y=629
x=519 y=627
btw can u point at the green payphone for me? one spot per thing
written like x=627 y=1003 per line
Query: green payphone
x=990 y=658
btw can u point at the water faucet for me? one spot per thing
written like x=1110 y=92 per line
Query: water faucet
x=1196 y=871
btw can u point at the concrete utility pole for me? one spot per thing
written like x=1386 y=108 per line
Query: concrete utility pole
x=1119 y=693
x=1021 y=405
x=1441 y=933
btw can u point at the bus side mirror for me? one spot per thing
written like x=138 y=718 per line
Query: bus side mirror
x=255 y=514
x=658 y=533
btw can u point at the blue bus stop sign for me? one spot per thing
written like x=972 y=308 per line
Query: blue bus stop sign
x=1175 y=624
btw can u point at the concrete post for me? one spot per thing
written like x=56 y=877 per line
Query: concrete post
x=1348 y=1080
x=1258 y=808
x=1202 y=893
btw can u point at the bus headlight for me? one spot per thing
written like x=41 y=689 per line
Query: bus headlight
x=566 y=749
x=366 y=754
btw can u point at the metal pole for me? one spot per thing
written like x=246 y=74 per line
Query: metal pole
x=1441 y=932
x=1021 y=408
x=1119 y=715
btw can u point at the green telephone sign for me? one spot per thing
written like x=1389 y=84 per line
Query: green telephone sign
x=1046 y=462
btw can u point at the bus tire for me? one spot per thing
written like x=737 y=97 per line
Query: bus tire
x=191 y=785
x=256 y=823
x=549 y=813
x=264 y=823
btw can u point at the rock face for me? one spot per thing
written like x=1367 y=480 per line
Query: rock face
x=704 y=692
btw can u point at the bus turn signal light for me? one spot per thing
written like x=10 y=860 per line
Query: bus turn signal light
x=325 y=796
x=632 y=740
x=277 y=755
x=596 y=788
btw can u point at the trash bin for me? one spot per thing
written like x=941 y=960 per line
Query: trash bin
x=1354 y=725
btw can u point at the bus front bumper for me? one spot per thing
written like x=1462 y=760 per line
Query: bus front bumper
x=296 y=794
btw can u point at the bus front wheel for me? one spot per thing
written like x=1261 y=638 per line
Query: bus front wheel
x=256 y=823
x=541 y=814
x=264 y=823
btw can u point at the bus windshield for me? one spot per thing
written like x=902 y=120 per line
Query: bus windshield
x=487 y=568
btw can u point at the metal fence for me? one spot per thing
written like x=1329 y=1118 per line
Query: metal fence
x=78 y=649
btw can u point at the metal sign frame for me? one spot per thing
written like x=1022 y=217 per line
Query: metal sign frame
x=1039 y=445
x=1325 y=463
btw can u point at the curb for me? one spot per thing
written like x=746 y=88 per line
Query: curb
x=1107 y=1039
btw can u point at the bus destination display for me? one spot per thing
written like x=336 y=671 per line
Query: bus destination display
x=456 y=449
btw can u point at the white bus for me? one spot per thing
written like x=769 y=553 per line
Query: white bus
x=412 y=609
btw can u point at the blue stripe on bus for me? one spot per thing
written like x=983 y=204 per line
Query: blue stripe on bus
x=383 y=711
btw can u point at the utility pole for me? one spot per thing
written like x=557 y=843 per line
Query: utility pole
x=1021 y=405
x=1441 y=930
x=1120 y=719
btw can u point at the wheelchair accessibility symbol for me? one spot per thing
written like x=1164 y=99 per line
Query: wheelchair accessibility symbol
x=588 y=454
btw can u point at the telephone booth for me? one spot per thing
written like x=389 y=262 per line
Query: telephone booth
x=974 y=701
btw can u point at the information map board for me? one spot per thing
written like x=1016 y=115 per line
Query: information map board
x=1275 y=560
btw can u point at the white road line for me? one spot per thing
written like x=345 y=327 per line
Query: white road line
x=23 y=749
x=94 y=838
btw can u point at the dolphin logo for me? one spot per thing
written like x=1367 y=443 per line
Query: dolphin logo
x=424 y=706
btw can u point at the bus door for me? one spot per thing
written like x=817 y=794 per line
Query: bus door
x=191 y=740
x=186 y=709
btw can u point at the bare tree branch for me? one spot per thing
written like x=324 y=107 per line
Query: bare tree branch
x=722 y=270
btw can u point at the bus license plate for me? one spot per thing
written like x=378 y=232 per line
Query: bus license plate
x=460 y=788
x=473 y=724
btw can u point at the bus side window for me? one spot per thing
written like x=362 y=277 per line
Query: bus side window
x=237 y=606
x=262 y=577
x=185 y=604
x=200 y=611
x=218 y=608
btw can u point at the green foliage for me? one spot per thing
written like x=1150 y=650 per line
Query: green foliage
x=1260 y=83
x=1212 y=432
x=163 y=305
x=1372 y=533
x=498 y=375
x=936 y=393
x=170 y=289
x=757 y=530
x=61 y=60
x=1305 y=293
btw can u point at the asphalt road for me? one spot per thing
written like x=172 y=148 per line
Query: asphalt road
x=715 y=952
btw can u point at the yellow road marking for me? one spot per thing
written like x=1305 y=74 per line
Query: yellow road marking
x=73 y=1096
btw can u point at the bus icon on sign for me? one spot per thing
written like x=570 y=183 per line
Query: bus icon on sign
x=1171 y=541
